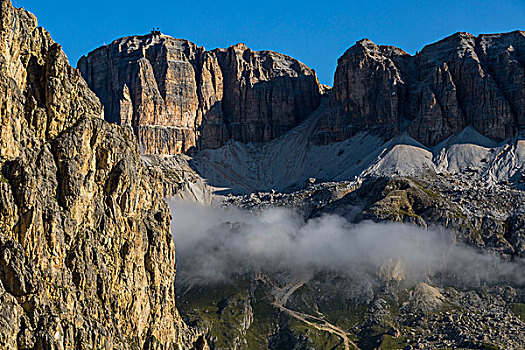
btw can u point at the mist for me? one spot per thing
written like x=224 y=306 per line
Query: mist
x=214 y=245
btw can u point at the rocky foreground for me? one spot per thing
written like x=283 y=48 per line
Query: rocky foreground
x=86 y=255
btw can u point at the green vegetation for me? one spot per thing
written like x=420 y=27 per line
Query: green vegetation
x=240 y=314
x=319 y=339
x=427 y=190
x=489 y=346
x=402 y=212
x=221 y=310
x=2 y=178
x=389 y=342
x=518 y=309
x=264 y=315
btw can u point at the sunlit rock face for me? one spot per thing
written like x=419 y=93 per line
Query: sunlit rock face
x=176 y=96
x=457 y=82
x=86 y=256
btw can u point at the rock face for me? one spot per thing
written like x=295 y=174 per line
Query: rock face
x=457 y=82
x=176 y=96
x=86 y=256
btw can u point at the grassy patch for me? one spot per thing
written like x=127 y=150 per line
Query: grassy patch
x=258 y=332
x=220 y=309
x=518 y=309
x=489 y=346
x=402 y=212
x=317 y=339
x=2 y=178
x=389 y=342
x=427 y=190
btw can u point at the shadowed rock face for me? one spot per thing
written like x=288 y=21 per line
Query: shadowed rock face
x=177 y=96
x=457 y=82
x=86 y=255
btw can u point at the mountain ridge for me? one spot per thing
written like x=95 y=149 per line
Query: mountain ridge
x=177 y=96
x=377 y=87
x=456 y=82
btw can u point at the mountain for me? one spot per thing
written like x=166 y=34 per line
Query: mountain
x=176 y=96
x=384 y=213
x=457 y=82
x=429 y=141
x=457 y=104
x=86 y=255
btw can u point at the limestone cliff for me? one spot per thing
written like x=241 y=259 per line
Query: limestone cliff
x=176 y=96
x=457 y=82
x=87 y=260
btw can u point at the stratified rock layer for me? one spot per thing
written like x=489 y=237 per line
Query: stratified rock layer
x=176 y=96
x=457 y=82
x=87 y=260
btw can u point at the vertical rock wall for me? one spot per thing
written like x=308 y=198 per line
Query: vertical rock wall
x=457 y=82
x=176 y=96
x=87 y=260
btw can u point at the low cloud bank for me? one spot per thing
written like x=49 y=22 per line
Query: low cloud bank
x=217 y=244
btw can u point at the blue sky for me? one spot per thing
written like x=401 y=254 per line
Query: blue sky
x=315 y=32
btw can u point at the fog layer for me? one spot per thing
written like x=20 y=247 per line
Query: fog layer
x=217 y=244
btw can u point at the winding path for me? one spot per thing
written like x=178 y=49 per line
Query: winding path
x=281 y=295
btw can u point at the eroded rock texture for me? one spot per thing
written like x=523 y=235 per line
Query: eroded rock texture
x=457 y=82
x=86 y=256
x=176 y=96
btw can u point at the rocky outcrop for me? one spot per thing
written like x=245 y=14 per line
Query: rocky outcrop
x=86 y=256
x=176 y=96
x=457 y=82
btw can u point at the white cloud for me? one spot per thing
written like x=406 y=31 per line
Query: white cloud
x=215 y=244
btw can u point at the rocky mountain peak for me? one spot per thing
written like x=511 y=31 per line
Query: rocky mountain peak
x=460 y=81
x=177 y=96
x=240 y=47
x=365 y=43
x=366 y=47
x=135 y=42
